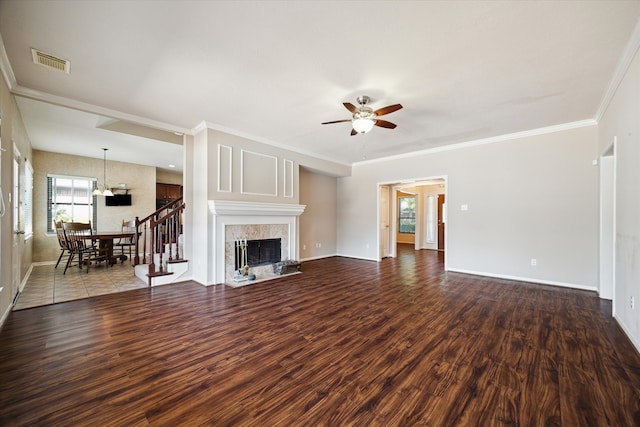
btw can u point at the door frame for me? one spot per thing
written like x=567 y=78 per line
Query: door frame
x=384 y=221
x=394 y=209
x=18 y=233
x=607 y=231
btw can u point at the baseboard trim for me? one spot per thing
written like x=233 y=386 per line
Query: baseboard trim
x=358 y=257
x=525 y=279
x=628 y=333
x=6 y=314
x=313 y=258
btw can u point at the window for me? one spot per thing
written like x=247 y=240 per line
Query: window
x=407 y=215
x=70 y=198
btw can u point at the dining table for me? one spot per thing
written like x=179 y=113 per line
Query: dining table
x=105 y=243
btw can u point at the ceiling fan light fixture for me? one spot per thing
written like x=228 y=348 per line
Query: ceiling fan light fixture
x=361 y=125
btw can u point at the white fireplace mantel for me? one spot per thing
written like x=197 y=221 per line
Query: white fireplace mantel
x=226 y=213
x=224 y=207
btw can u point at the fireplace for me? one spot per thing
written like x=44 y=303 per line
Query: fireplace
x=255 y=253
x=234 y=221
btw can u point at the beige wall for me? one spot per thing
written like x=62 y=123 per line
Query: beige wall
x=621 y=122
x=12 y=131
x=141 y=181
x=318 y=222
x=166 y=177
x=531 y=197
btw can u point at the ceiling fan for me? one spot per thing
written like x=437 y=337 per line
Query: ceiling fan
x=364 y=118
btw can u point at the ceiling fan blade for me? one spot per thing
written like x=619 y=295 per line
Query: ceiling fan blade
x=335 y=121
x=385 y=124
x=349 y=106
x=388 y=109
x=353 y=132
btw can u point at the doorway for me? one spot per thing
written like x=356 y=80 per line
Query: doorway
x=430 y=216
x=606 y=286
x=441 y=221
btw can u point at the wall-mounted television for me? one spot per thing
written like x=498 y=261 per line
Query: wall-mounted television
x=118 y=200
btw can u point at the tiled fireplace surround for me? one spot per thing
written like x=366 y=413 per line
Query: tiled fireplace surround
x=248 y=220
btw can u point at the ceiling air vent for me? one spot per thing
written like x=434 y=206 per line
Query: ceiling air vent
x=50 y=61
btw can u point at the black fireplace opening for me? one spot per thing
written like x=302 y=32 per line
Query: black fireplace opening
x=258 y=252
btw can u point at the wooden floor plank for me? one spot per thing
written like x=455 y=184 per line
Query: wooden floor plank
x=348 y=342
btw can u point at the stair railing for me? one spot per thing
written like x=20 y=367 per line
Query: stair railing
x=157 y=230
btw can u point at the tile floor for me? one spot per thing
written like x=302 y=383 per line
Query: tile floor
x=47 y=285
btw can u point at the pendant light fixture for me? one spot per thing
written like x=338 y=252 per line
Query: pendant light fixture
x=106 y=191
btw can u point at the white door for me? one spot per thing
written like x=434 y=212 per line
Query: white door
x=18 y=232
x=384 y=221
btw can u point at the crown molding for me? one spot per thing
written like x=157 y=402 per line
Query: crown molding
x=490 y=140
x=5 y=66
x=208 y=125
x=624 y=63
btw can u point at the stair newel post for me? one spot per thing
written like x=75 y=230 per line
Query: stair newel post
x=136 y=258
x=144 y=243
x=160 y=249
x=152 y=258
x=172 y=236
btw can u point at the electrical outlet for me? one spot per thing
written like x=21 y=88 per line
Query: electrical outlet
x=632 y=303
x=304 y=247
x=534 y=262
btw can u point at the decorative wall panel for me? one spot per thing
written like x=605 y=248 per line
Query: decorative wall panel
x=259 y=174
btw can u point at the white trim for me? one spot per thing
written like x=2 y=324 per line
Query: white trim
x=249 y=213
x=6 y=314
x=358 y=257
x=56 y=175
x=220 y=189
x=621 y=69
x=628 y=333
x=26 y=278
x=275 y=162
x=313 y=258
x=5 y=65
x=490 y=140
x=208 y=125
x=525 y=279
x=288 y=179
x=225 y=207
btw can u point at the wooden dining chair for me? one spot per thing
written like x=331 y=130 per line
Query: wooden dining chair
x=62 y=241
x=80 y=240
x=126 y=242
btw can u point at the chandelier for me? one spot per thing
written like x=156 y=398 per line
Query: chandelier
x=106 y=191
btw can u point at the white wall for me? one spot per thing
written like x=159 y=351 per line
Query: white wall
x=622 y=122
x=532 y=197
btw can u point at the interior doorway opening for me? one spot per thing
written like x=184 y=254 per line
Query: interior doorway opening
x=412 y=212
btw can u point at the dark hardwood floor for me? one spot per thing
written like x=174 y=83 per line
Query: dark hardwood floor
x=348 y=342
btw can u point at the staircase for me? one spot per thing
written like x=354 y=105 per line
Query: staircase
x=159 y=241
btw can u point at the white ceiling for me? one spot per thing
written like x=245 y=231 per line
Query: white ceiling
x=273 y=71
